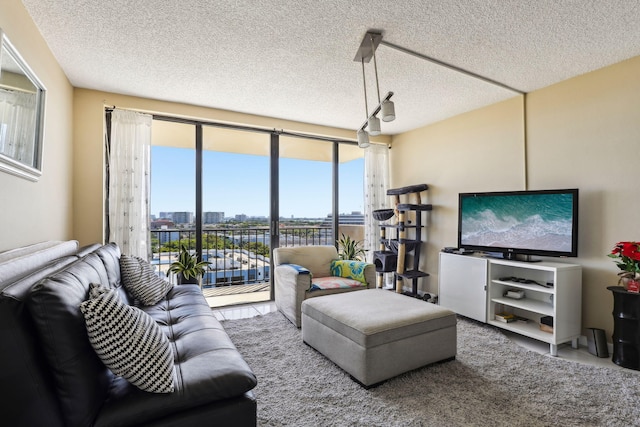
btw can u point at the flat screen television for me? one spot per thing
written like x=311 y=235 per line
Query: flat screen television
x=520 y=223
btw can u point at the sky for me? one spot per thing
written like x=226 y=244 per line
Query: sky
x=239 y=184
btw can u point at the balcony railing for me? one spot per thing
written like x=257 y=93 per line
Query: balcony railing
x=238 y=256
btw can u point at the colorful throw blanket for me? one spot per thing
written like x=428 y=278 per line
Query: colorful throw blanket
x=332 y=282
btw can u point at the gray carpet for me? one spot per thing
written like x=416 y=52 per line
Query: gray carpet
x=492 y=382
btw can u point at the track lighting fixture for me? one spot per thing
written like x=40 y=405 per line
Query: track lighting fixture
x=385 y=107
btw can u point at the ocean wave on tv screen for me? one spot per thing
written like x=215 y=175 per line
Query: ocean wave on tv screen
x=485 y=228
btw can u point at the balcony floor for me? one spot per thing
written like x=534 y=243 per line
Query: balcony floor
x=244 y=311
x=237 y=294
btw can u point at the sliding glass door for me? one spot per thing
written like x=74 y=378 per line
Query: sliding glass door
x=173 y=193
x=235 y=204
x=232 y=195
x=351 y=192
x=305 y=192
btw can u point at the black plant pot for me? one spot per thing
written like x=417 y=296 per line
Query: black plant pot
x=190 y=281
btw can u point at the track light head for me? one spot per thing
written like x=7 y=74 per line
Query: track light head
x=363 y=139
x=374 y=126
x=388 y=111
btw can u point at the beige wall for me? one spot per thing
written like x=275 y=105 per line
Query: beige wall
x=584 y=133
x=479 y=151
x=31 y=212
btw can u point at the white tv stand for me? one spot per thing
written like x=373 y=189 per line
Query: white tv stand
x=475 y=287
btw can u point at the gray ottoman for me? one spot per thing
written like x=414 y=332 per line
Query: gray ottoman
x=376 y=334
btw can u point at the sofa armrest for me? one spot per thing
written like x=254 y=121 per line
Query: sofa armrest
x=297 y=268
x=291 y=283
x=293 y=276
x=370 y=275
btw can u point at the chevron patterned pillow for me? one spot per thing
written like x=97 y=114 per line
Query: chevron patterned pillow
x=128 y=341
x=139 y=279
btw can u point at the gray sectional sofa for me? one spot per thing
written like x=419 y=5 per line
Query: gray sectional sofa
x=52 y=376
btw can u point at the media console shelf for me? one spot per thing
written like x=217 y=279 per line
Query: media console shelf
x=562 y=301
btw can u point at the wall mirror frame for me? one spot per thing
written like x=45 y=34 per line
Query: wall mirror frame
x=22 y=106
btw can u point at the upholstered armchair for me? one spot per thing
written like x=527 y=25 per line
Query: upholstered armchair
x=302 y=272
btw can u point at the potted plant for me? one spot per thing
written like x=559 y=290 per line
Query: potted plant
x=187 y=267
x=627 y=258
x=349 y=249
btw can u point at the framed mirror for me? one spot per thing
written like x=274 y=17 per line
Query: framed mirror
x=22 y=98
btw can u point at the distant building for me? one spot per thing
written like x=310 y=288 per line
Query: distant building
x=165 y=215
x=182 y=217
x=241 y=217
x=354 y=218
x=165 y=237
x=161 y=224
x=213 y=217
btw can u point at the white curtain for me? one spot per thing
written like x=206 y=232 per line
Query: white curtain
x=129 y=182
x=18 y=125
x=376 y=183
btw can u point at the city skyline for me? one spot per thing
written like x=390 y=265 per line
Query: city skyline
x=215 y=217
x=238 y=184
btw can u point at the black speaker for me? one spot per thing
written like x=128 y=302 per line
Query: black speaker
x=597 y=342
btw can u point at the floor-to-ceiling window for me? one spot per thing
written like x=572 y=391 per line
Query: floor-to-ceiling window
x=173 y=194
x=351 y=191
x=233 y=212
x=235 y=204
x=305 y=191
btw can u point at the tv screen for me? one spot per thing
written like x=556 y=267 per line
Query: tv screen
x=543 y=222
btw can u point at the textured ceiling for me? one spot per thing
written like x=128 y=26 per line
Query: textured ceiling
x=293 y=59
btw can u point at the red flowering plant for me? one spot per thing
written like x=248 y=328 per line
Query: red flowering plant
x=627 y=256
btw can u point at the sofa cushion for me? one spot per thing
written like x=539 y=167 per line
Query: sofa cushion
x=331 y=282
x=110 y=256
x=128 y=341
x=315 y=258
x=29 y=393
x=140 y=280
x=87 y=249
x=10 y=254
x=19 y=262
x=81 y=380
x=208 y=367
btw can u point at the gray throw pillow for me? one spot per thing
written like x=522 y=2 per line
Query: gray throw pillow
x=128 y=341
x=140 y=280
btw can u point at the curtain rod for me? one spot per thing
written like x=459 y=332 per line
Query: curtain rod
x=8 y=88
x=248 y=128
